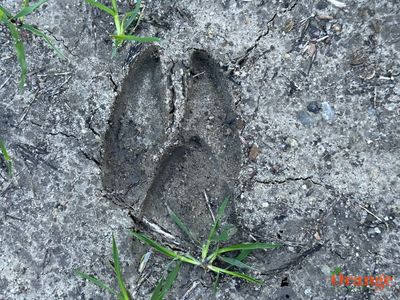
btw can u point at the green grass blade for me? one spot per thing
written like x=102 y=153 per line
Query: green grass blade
x=4 y=151
x=155 y=245
x=131 y=16
x=96 y=281
x=243 y=255
x=234 y=274
x=114 y=6
x=182 y=226
x=247 y=246
x=158 y=289
x=41 y=34
x=28 y=10
x=117 y=268
x=222 y=208
x=169 y=281
x=19 y=48
x=126 y=37
x=4 y=13
x=235 y=263
x=102 y=7
x=214 y=228
x=164 y=286
x=164 y=250
x=7 y=157
x=226 y=233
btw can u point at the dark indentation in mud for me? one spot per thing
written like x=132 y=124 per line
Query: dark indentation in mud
x=136 y=129
x=207 y=158
x=185 y=173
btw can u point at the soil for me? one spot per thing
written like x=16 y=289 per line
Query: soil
x=290 y=108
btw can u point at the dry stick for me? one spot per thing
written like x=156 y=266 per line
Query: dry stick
x=199 y=74
x=209 y=206
x=372 y=214
x=186 y=295
x=5 y=82
x=141 y=280
x=139 y=19
x=157 y=228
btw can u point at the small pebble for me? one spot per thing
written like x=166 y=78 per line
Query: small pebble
x=336 y=28
x=306 y=119
x=327 y=112
x=314 y=107
x=254 y=152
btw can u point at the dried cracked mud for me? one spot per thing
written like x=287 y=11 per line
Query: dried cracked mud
x=292 y=108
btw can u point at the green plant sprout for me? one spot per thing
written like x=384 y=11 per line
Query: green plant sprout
x=15 y=24
x=123 y=294
x=123 y=27
x=207 y=259
x=6 y=157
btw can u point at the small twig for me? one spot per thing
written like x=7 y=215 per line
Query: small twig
x=157 y=228
x=139 y=19
x=54 y=74
x=186 y=295
x=139 y=284
x=199 y=74
x=5 y=82
x=209 y=206
x=27 y=109
x=372 y=214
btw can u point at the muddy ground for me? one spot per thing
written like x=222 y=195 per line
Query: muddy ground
x=290 y=107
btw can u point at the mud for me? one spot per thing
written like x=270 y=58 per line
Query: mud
x=289 y=107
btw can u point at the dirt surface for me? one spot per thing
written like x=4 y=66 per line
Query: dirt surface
x=290 y=107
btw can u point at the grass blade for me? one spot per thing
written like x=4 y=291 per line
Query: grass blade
x=164 y=250
x=7 y=157
x=131 y=16
x=114 y=6
x=235 y=263
x=214 y=228
x=164 y=286
x=28 y=10
x=39 y=33
x=242 y=255
x=155 y=245
x=222 y=207
x=118 y=273
x=226 y=233
x=4 y=13
x=127 y=37
x=247 y=246
x=19 y=48
x=95 y=281
x=101 y=7
x=234 y=274
x=181 y=225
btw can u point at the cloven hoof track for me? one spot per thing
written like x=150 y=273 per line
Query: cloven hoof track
x=136 y=131
x=206 y=157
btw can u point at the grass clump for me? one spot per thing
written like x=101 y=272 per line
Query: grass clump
x=122 y=294
x=212 y=256
x=123 y=26
x=7 y=158
x=211 y=251
x=15 y=24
